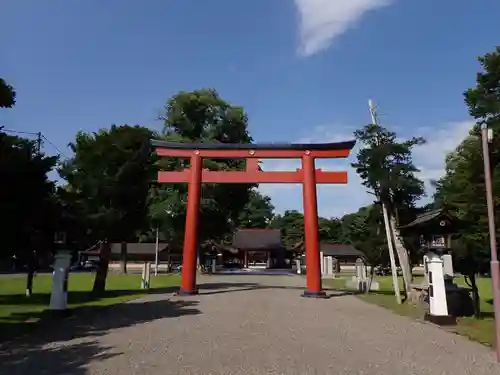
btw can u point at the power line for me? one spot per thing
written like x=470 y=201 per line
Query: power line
x=53 y=145
x=18 y=132
x=39 y=136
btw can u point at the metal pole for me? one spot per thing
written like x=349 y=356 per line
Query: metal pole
x=387 y=226
x=156 y=250
x=495 y=271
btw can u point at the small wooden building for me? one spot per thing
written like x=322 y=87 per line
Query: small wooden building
x=257 y=248
x=433 y=230
x=346 y=255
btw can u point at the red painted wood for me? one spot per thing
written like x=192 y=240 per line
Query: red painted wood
x=243 y=177
x=189 y=253
x=311 y=230
x=258 y=154
x=252 y=165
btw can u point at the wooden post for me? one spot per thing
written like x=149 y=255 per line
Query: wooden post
x=189 y=253
x=313 y=265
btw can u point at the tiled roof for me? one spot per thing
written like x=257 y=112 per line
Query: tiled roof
x=257 y=239
x=426 y=217
x=333 y=250
x=139 y=248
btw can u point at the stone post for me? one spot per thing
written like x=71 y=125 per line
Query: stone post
x=59 y=295
x=438 y=306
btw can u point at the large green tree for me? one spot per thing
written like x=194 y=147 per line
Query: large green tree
x=202 y=116
x=26 y=202
x=462 y=188
x=366 y=232
x=257 y=213
x=108 y=180
x=386 y=167
x=291 y=224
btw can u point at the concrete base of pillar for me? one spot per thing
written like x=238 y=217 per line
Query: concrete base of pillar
x=185 y=293
x=441 y=320
x=308 y=294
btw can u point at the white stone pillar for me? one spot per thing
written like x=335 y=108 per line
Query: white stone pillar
x=438 y=306
x=426 y=269
x=297 y=264
x=214 y=265
x=329 y=266
x=146 y=273
x=448 y=266
x=59 y=295
x=322 y=260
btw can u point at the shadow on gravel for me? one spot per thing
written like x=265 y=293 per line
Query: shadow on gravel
x=221 y=288
x=33 y=355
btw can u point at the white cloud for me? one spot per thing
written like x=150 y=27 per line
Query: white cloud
x=338 y=200
x=430 y=157
x=321 y=21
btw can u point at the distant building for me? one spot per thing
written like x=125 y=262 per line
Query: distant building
x=261 y=248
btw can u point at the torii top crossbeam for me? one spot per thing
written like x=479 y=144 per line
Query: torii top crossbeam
x=251 y=153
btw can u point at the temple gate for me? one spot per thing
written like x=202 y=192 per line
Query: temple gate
x=308 y=176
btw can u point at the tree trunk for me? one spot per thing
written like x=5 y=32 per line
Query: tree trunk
x=102 y=268
x=29 y=281
x=31 y=273
x=123 y=256
x=402 y=255
x=470 y=280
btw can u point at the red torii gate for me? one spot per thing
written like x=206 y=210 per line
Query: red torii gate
x=308 y=175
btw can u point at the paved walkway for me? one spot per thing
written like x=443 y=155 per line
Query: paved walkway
x=248 y=325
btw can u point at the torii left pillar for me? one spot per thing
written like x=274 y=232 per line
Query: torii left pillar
x=189 y=254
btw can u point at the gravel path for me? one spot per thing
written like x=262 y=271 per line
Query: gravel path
x=248 y=325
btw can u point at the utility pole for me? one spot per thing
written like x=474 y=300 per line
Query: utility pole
x=486 y=137
x=385 y=214
x=38 y=142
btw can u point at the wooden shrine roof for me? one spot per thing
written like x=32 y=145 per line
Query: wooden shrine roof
x=428 y=218
x=257 y=239
x=133 y=248
x=334 y=249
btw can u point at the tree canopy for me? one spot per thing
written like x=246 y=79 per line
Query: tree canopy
x=7 y=95
x=462 y=190
x=108 y=179
x=202 y=116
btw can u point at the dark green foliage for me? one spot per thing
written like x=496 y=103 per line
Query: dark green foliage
x=386 y=167
x=291 y=224
x=202 y=116
x=26 y=199
x=257 y=213
x=7 y=95
x=367 y=233
x=462 y=189
x=108 y=181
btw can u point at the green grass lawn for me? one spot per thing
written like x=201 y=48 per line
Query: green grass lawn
x=18 y=313
x=481 y=330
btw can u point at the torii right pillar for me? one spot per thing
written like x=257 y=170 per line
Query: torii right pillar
x=311 y=231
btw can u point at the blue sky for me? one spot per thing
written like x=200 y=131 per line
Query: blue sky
x=302 y=69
